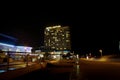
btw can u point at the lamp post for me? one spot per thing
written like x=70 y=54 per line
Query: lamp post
x=26 y=57
x=8 y=54
x=100 y=52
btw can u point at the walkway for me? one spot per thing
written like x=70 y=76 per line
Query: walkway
x=11 y=74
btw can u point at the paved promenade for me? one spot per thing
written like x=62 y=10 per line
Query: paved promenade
x=53 y=71
x=11 y=74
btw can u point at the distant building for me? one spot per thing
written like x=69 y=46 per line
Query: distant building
x=57 y=38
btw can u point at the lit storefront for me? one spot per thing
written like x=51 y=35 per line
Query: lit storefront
x=15 y=52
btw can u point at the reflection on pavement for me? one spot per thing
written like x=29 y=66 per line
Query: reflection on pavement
x=75 y=74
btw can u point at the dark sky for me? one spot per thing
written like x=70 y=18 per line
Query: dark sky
x=89 y=29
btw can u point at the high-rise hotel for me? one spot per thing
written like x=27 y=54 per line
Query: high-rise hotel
x=57 y=38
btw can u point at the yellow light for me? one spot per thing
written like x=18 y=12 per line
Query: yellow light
x=53 y=27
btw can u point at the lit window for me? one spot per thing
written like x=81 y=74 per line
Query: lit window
x=64 y=48
x=67 y=40
x=60 y=48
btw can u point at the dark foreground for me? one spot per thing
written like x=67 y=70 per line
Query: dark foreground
x=84 y=70
x=52 y=72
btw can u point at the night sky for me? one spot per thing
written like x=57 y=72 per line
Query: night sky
x=89 y=29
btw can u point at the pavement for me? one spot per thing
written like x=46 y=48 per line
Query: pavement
x=99 y=70
x=11 y=74
x=66 y=70
x=54 y=71
x=110 y=58
x=13 y=66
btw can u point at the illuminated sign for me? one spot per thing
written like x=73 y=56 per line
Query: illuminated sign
x=8 y=47
x=23 y=49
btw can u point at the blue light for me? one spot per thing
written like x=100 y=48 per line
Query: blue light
x=7 y=45
x=8 y=36
x=12 y=68
x=1 y=71
x=24 y=48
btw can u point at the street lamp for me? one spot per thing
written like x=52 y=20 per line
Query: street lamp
x=100 y=52
x=8 y=55
x=26 y=56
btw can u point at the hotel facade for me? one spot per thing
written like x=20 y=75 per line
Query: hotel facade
x=57 y=38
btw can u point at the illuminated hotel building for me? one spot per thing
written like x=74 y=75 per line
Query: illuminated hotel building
x=57 y=38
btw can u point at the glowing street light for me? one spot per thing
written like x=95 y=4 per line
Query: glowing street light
x=26 y=56
x=8 y=55
x=100 y=52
